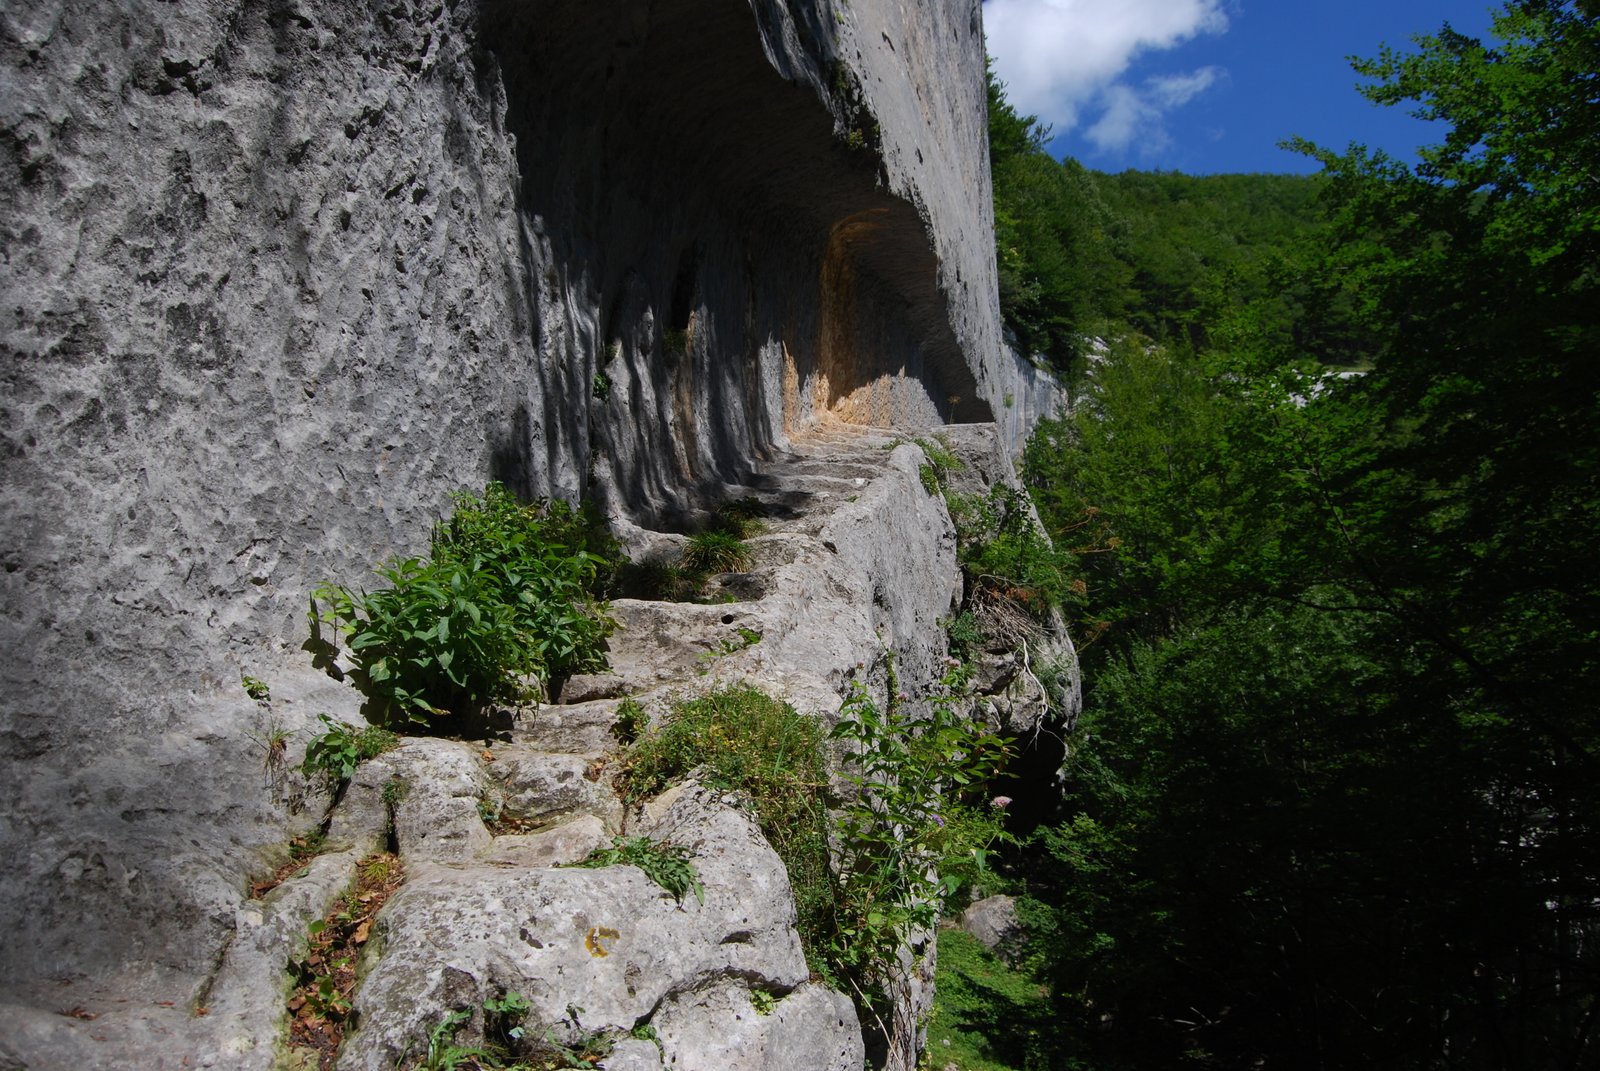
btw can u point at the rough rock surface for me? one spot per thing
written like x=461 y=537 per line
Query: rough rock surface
x=856 y=560
x=369 y=255
x=992 y=920
x=719 y=1026
x=281 y=277
x=609 y=941
x=1030 y=395
x=1029 y=673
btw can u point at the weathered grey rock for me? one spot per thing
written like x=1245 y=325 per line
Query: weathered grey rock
x=579 y=728
x=279 y=279
x=811 y=1029
x=570 y=841
x=1030 y=672
x=532 y=784
x=439 y=816
x=370 y=257
x=1029 y=394
x=363 y=817
x=992 y=920
x=97 y=1023
x=609 y=940
x=632 y=1055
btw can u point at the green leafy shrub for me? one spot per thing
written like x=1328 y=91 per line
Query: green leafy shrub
x=332 y=757
x=503 y=1030
x=965 y=637
x=1005 y=555
x=942 y=461
x=632 y=721
x=922 y=810
x=256 y=688
x=665 y=864
x=505 y=606
x=901 y=857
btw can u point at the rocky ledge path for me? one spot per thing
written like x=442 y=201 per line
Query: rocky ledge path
x=855 y=559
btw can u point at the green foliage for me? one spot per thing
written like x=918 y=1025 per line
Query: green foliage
x=900 y=857
x=632 y=721
x=507 y=598
x=601 y=387
x=503 y=1017
x=1165 y=488
x=964 y=635
x=742 y=740
x=741 y=517
x=1083 y=253
x=941 y=462
x=394 y=792
x=716 y=551
x=1188 y=239
x=743 y=639
x=332 y=757
x=1330 y=803
x=1056 y=241
x=324 y=973
x=307 y=846
x=665 y=864
x=442 y=1053
x=575 y=1046
x=987 y=1016
x=660 y=580
x=256 y=688
x=1005 y=555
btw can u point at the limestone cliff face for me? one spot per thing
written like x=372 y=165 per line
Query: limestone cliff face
x=280 y=275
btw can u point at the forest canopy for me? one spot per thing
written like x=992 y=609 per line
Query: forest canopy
x=1333 y=484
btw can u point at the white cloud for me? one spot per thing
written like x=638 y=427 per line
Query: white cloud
x=1134 y=115
x=1063 y=58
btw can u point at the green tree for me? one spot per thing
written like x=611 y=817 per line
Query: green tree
x=1332 y=804
x=1056 y=242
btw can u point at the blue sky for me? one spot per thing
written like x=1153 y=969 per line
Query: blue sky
x=1208 y=86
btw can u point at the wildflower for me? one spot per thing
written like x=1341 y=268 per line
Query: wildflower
x=939 y=818
x=1000 y=803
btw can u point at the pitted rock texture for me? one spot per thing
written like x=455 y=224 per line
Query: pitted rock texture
x=610 y=941
x=719 y=1026
x=855 y=561
x=280 y=278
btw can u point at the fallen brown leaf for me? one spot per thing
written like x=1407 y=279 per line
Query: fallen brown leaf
x=78 y=1012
